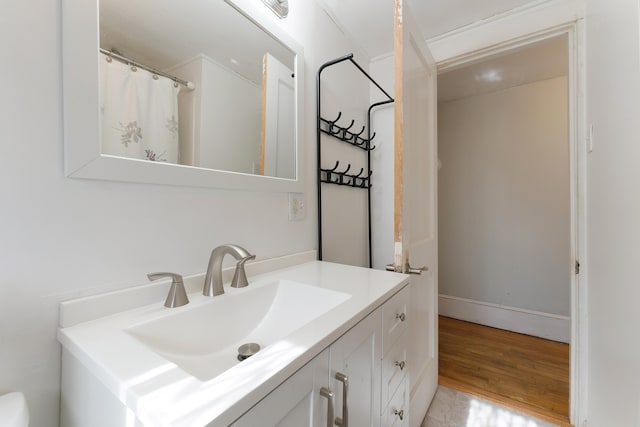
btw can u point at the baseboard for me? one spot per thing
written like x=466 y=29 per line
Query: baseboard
x=538 y=324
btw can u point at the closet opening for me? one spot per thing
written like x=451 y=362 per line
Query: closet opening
x=507 y=224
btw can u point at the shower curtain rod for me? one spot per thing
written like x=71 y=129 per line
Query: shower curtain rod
x=126 y=60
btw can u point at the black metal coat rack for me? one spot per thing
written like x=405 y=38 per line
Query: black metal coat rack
x=340 y=175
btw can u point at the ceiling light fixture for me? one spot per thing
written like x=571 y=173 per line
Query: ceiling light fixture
x=279 y=7
x=490 y=76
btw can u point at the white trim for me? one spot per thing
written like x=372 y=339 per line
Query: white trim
x=577 y=178
x=579 y=311
x=535 y=323
x=502 y=28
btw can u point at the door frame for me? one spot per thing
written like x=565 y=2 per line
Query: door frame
x=540 y=27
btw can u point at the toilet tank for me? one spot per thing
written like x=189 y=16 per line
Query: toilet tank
x=13 y=410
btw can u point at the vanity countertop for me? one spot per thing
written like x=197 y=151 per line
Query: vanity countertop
x=162 y=394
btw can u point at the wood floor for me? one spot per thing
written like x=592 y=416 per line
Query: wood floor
x=523 y=372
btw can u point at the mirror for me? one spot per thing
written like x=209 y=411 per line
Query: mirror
x=196 y=92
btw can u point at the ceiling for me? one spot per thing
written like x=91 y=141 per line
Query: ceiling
x=541 y=61
x=370 y=23
x=152 y=31
x=165 y=33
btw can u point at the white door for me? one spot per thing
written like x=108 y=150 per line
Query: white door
x=278 y=150
x=296 y=402
x=355 y=367
x=415 y=208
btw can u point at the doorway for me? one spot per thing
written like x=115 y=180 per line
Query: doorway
x=508 y=189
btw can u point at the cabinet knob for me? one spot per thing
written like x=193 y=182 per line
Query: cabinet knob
x=399 y=414
x=400 y=364
x=401 y=317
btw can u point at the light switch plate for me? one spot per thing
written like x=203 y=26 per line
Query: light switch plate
x=297 y=208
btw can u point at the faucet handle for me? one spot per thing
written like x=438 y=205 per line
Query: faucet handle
x=240 y=276
x=177 y=294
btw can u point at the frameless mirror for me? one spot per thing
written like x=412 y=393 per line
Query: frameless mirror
x=196 y=92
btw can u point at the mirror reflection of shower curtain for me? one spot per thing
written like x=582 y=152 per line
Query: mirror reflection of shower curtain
x=139 y=113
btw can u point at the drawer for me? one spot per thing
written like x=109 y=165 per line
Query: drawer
x=395 y=318
x=394 y=367
x=397 y=412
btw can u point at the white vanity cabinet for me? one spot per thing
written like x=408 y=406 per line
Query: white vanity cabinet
x=395 y=381
x=332 y=334
x=296 y=402
x=362 y=362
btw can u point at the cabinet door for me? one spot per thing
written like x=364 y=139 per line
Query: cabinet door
x=356 y=356
x=296 y=402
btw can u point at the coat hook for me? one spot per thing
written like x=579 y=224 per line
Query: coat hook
x=354 y=178
x=369 y=147
x=345 y=131
x=351 y=124
x=356 y=136
x=342 y=174
x=333 y=125
x=328 y=172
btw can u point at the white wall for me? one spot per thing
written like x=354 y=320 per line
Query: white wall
x=229 y=144
x=188 y=109
x=62 y=238
x=208 y=138
x=344 y=209
x=382 y=163
x=503 y=197
x=613 y=212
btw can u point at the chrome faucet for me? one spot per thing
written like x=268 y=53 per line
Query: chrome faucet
x=177 y=294
x=213 y=279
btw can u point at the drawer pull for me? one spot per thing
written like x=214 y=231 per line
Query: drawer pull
x=399 y=414
x=325 y=392
x=344 y=421
x=401 y=317
x=399 y=364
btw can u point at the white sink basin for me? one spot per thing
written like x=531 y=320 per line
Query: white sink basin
x=203 y=339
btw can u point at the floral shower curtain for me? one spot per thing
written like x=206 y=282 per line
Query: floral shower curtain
x=139 y=113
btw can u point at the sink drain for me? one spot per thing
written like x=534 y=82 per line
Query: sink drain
x=247 y=350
